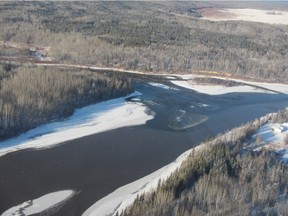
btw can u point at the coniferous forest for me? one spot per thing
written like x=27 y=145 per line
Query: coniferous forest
x=57 y=56
x=223 y=178
x=33 y=95
x=148 y=36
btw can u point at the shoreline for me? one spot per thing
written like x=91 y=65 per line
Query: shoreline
x=98 y=164
x=88 y=120
x=123 y=197
x=198 y=72
x=30 y=139
x=246 y=86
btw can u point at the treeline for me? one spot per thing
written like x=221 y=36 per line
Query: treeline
x=33 y=95
x=215 y=81
x=222 y=179
x=280 y=117
x=148 y=36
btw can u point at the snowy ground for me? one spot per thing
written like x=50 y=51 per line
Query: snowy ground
x=89 y=120
x=272 y=136
x=124 y=196
x=219 y=89
x=170 y=77
x=216 y=89
x=252 y=15
x=160 y=85
x=40 y=204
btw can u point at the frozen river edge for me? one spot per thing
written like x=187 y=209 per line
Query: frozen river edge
x=100 y=117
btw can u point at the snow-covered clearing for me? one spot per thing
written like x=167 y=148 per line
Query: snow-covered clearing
x=252 y=15
x=40 y=204
x=160 y=85
x=124 y=196
x=89 y=120
x=272 y=136
x=220 y=89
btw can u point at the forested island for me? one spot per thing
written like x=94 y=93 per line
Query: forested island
x=33 y=95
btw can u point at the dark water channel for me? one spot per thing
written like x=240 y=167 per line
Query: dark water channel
x=98 y=164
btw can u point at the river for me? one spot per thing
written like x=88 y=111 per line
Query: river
x=96 y=165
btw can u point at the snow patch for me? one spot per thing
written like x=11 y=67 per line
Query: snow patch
x=253 y=15
x=180 y=116
x=272 y=136
x=89 y=120
x=203 y=105
x=219 y=89
x=170 y=77
x=136 y=99
x=40 y=204
x=216 y=89
x=160 y=85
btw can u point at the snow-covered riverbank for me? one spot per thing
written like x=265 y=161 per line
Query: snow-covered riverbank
x=246 y=86
x=40 y=204
x=88 y=120
x=272 y=137
x=124 y=196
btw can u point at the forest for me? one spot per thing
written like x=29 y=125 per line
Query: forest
x=148 y=36
x=222 y=178
x=32 y=95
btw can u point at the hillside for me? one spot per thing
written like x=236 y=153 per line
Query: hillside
x=225 y=177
